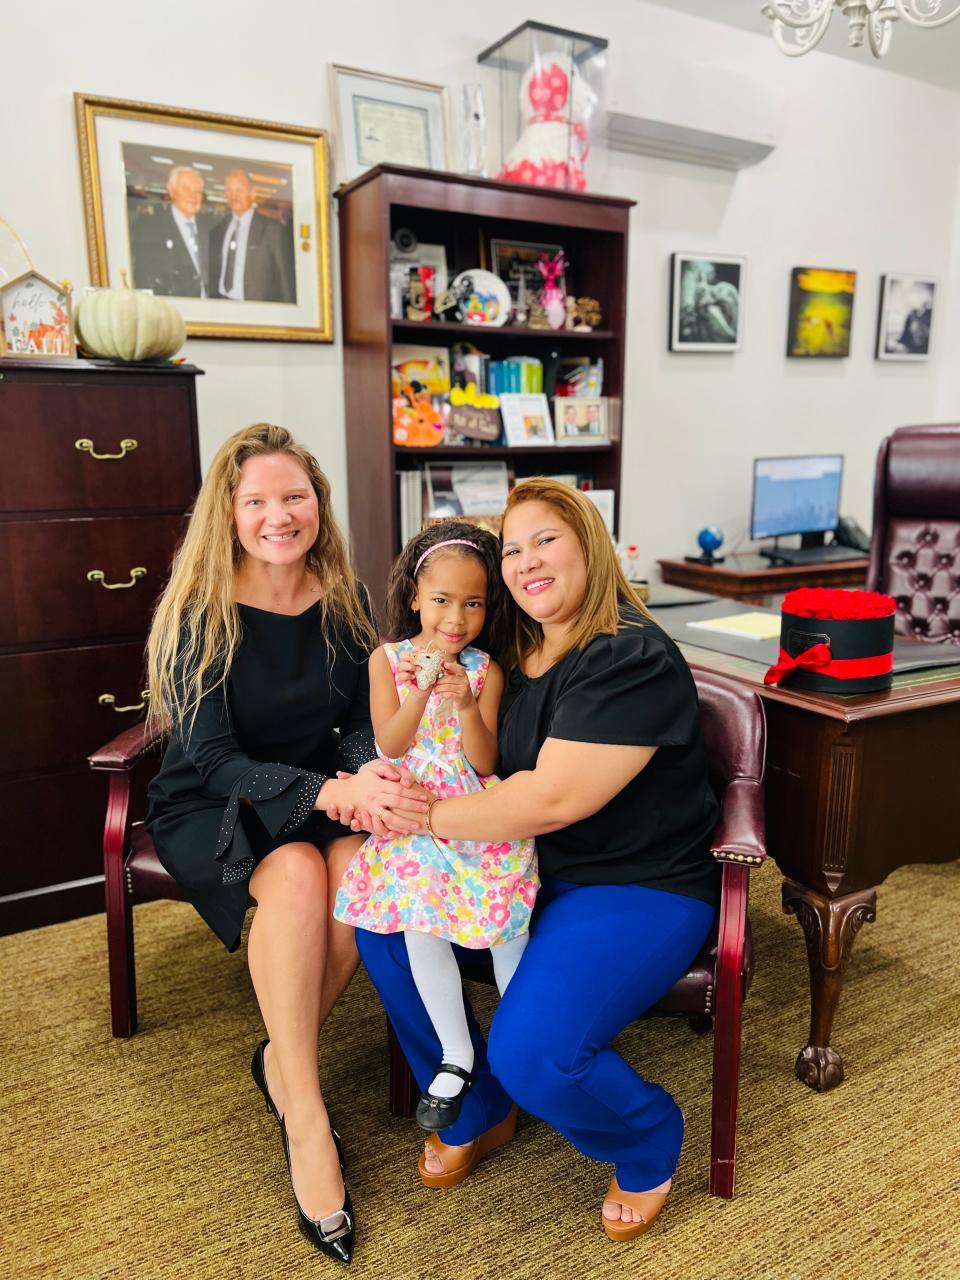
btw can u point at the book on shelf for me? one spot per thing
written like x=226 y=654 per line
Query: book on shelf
x=427 y=368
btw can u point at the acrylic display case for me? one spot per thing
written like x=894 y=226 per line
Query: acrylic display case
x=550 y=84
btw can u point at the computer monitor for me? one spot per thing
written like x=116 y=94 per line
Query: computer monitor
x=796 y=495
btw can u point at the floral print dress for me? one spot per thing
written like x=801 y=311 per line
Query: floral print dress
x=473 y=894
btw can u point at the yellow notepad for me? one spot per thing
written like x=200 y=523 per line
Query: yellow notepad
x=753 y=626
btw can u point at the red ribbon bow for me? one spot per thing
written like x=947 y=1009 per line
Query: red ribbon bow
x=813 y=659
x=819 y=658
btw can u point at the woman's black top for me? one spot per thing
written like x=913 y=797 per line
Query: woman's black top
x=288 y=718
x=631 y=689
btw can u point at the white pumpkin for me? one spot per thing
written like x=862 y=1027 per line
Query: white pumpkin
x=122 y=324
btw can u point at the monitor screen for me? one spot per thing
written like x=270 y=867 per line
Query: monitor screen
x=796 y=495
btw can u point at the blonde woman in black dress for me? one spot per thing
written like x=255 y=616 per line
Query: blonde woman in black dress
x=258 y=669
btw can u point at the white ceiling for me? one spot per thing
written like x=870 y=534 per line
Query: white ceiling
x=933 y=56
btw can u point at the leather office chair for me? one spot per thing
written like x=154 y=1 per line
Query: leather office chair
x=712 y=991
x=132 y=871
x=915 y=550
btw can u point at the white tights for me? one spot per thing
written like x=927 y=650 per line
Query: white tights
x=437 y=978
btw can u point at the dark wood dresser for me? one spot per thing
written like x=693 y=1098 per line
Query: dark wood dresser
x=98 y=465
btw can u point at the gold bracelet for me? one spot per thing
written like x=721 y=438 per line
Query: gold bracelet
x=429 y=825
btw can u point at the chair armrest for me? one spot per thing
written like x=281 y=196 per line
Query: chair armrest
x=740 y=836
x=123 y=751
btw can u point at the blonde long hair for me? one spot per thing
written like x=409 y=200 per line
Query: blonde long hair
x=607 y=587
x=196 y=627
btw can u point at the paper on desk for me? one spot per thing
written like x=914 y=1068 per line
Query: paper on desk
x=754 y=626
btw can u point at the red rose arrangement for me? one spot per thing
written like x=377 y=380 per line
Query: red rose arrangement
x=832 y=602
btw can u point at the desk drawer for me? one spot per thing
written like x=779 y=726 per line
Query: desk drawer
x=45 y=594
x=41 y=468
x=52 y=716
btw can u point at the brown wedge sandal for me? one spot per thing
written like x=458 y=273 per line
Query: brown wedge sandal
x=647 y=1203
x=458 y=1162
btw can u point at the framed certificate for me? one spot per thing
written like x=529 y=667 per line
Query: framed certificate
x=387 y=120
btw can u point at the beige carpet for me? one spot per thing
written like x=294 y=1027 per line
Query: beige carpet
x=153 y=1157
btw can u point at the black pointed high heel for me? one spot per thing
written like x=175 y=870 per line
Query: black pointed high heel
x=335 y=1241
x=259 y=1072
x=435 y=1113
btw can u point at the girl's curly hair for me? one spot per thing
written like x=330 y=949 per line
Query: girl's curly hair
x=403 y=622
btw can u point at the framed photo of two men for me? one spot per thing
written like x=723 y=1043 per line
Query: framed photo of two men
x=227 y=216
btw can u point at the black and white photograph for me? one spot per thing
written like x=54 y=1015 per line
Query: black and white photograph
x=705 y=302
x=906 y=315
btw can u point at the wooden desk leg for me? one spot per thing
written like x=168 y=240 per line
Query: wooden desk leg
x=829 y=926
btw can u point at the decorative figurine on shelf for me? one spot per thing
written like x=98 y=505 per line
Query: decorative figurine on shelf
x=418 y=306
x=450 y=304
x=709 y=541
x=588 y=309
x=537 y=317
x=416 y=423
x=555 y=102
x=520 y=313
x=552 y=297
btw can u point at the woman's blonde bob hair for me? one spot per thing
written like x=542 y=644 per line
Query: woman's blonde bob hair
x=608 y=590
x=196 y=628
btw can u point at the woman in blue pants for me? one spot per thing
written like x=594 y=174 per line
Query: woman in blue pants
x=604 y=764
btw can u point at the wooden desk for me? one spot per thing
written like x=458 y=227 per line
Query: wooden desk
x=751 y=578
x=855 y=788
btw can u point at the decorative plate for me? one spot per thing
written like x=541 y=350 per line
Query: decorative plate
x=483 y=297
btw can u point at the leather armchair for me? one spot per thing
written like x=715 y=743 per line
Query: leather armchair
x=915 y=551
x=711 y=993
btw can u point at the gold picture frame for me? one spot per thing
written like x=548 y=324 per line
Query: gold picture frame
x=271 y=281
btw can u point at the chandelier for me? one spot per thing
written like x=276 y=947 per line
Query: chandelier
x=800 y=25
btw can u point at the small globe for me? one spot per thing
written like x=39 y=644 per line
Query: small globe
x=710 y=539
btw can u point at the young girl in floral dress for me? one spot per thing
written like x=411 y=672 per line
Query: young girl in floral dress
x=433 y=700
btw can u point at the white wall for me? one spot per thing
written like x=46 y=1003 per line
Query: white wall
x=865 y=177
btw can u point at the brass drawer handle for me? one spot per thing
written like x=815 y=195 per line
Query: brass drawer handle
x=108 y=700
x=97 y=575
x=86 y=446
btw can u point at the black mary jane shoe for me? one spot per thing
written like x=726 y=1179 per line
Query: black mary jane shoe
x=336 y=1241
x=259 y=1072
x=435 y=1113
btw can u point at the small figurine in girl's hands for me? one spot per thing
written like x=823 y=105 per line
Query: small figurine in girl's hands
x=445 y=592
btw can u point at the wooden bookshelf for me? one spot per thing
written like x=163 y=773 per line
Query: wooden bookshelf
x=463 y=214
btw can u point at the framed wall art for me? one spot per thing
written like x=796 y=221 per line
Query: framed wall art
x=387 y=120
x=905 y=318
x=37 y=318
x=228 y=216
x=821 y=313
x=705 y=302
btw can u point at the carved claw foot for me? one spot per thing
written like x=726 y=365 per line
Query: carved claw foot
x=819 y=1068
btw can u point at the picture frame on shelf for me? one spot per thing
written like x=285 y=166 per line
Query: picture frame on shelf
x=526 y=419
x=706 y=311
x=515 y=262
x=381 y=119
x=581 y=420
x=905 y=317
x=36 y=319
x=228 y=215
x=821 y=313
